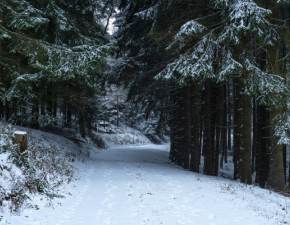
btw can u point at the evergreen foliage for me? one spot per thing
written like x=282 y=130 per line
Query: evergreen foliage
x=215 y=72
x=222 y=65
x=51 y=61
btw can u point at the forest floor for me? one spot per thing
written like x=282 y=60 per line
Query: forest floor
x=136 y=185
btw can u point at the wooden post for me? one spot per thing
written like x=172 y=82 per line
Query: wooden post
x=22 y=140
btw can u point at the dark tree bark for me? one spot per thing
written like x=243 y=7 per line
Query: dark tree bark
x=224 y=142
x=178 y=122
x=82 y=124
x=210 y=152
x=285 y=162
x=242 y=134
x=188 y=127
x=263 y=144
x=35 y=114
x=195 y=126
x=289 y=175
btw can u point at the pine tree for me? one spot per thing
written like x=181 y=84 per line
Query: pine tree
x=226 y=53
x=236 y=92
x=52 y=54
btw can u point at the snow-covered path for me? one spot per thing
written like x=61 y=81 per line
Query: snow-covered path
x=138 y=186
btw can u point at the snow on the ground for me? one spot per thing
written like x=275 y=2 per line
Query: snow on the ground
x=136 y=185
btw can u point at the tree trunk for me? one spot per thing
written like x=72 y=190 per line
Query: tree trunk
x=289 y=176
x=82 y=124
x=276 y=175
x=195 y=126
x=242 y=134
x=178 y=152
x=263 y=145
x=35 y=114
x=210 y=160
x=188 y=127
x=224 y=131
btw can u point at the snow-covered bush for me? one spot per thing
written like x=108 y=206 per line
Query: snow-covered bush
x=12 y=183
x=41 y=169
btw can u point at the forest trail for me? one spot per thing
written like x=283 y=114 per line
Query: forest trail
x=136 y=185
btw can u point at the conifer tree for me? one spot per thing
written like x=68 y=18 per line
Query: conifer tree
x=202 y=56
x=51 y=61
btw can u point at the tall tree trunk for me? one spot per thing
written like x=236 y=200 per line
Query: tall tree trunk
x=276 y=175
x=2 y=110
x=289 y=176
x=276 y=178
x=255 y=143
x=263 y=144
x=82 y=124
x=242 y=134
x=286 y=14
x=230 y=123
x=7 y=111
x=35 y=114
x=195 y=126
x=188 y=127
x=210 y=160
x=224 y=131
x=178 y=122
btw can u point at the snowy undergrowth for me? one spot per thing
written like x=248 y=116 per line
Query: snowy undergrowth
x=42 y=171
x=121 y=135
x=123 y=121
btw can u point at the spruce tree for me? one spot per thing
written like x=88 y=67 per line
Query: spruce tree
x=51 y=61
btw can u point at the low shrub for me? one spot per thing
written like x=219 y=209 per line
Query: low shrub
x=41 y=169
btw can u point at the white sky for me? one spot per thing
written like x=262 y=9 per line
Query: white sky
x=111 y=27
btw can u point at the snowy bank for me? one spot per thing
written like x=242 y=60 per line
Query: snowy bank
x=40 y=173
